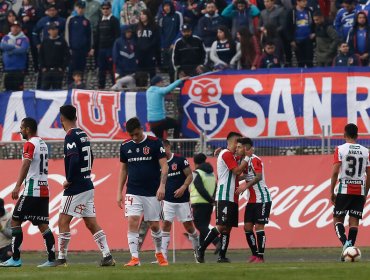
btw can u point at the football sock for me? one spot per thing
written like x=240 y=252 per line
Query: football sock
x=17 y=239
x=352 y=234
x=212 y=234
x=166 y=236
x=133 y=243
x=341 y=232
x=101 y=240
x=63 y=241
x=157 y=239
x=194 y=238
x=49 y=244
x=261 y=241
x=224 y=244
x=251 y=239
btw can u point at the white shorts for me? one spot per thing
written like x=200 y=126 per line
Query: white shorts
x=180 y=210
x=136 y=205
x=80 y=205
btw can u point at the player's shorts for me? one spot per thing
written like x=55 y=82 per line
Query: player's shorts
x=33 y=209
x=136 y=205
x=349 y=203
x=180 y=210
x=79 y=205
x=257 y=213
x=227 y=213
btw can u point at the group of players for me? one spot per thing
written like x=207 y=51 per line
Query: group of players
x=165 y=188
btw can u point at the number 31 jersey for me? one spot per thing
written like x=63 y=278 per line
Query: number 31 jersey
x=354 y=160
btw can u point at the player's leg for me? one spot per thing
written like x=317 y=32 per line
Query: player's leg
x=169 y=214
x=49 y=244
x=339 y=214
x=261 y=241
x=64 y=237
x=262 y=212
x=225 y=238
x=355 y=214
x=353 y=230
x=249 y=221
x=184 y=215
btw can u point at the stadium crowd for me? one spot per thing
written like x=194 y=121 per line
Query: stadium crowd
x=133 y=40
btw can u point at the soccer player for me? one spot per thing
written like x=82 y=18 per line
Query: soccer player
x=352 y=168
x=227 y=211
x=258 y=208
x=33 y=204
x=78 y=196
x=143 y=161
x=177 y=199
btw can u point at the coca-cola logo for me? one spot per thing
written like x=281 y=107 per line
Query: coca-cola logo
x=55 y=185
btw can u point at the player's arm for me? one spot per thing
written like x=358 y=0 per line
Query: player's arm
x=232 y=164
x=257 y=167
x=164 y=174
x=121 y=183
x=334 y=174
x=73 y=161
x=189 y=178
x=367 y=180
x=28 y=152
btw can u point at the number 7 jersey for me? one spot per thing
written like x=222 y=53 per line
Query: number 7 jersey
x=354 y=160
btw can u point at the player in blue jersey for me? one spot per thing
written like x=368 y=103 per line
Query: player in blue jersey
x=78 y=196
x=177 y=199
x=144 y=167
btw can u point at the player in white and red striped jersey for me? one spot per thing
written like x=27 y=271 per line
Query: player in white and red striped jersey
x=226 y=200
x=257 y=210
x=352 y=168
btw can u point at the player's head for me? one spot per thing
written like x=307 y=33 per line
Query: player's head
x=351 y=131
x=28 y=128
x=135 y=130
x=167 y=148
x=68 y=116
x=244 y=147
x=232 y=138
x=199 y=159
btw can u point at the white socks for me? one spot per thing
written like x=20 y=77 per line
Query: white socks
x=63 y=241
x=133 y=243
x=166 y=237
x=194 y=238
x=101 y=240
x=157 y=239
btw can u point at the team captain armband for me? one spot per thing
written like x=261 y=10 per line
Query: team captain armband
x=28 y=150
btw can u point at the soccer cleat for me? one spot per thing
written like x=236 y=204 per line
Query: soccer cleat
x=133 y=262
x=108 y=261
x=47 y=264
x=223 y=260
x=11 y=263
x=259 y=260
x=199 y=255
x=345 y=246
x=252 y=259
x=161 y=259
x=61 y=262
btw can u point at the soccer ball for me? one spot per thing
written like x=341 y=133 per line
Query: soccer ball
x=352 y=254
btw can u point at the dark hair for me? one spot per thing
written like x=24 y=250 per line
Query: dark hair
x=132 y=124
x=351 y=131
x=245 y=141
x=247 y=46
x=317 y=14
x=355 y=24
x=233 y=134
x=151 y=21
x=199 y=158
x=349 y=2
x=30 y=123
x=77 y=73
x=69 y=112
x=2 y=209
x=166 y=143
x=269 y=43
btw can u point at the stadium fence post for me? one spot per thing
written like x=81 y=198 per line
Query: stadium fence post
x=173 y=244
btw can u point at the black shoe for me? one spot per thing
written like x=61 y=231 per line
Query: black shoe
x=108 y=261
x=218 y=248
x=60 y=262
x=223 y=260
x=199 y=255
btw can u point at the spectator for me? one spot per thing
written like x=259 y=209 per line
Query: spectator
x=270 y=34
x=107 y=33
x=77 y=81
x=59 y=5
x=192 y=12
x=272 y=15
x=358 y=38
x=363 y=5
x=117 y=6
x=242 y=14
x=189 y=53
x=54 y=58
x=131 y=11
x=5 y=7
x=10 y=18
x=248 y=50
x=208 y=25
x=156 y=108
x=93 y=14
x=223 y=49
x=326 y=40
x=78 y=37
x=148 y=43
x=170 y=22
x=268 y=58
x=15 y=46
x=5 y=233
x=301 y=33
x=344 y=58
x=345 y=18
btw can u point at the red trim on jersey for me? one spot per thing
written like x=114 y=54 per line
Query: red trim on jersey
x=336 y=155
x=252 y=195
x=28 y=150
x=44 y=191
x=257 y=165
x=69 y=131
x=354 y=189
x=152 y=137
x=229 y=159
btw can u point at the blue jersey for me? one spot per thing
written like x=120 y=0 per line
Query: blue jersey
x=303 y=28
x=78 y=160
x=176 y=178
x=142 y=159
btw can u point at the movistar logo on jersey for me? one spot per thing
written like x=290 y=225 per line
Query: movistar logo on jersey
x=71 y=146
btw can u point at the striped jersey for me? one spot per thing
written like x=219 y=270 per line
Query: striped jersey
x=36 y=182
x=258 y=193
x=227 y=181
x=354 y=160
